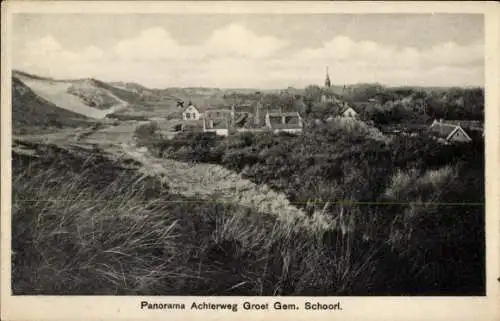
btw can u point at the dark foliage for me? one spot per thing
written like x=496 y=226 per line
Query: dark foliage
x=325 y=166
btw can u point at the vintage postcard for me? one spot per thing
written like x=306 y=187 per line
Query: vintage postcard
x=250 y=160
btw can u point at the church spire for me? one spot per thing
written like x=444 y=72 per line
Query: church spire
x=327 y=80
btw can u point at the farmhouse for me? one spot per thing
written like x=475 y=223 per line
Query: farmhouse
x=344 y=111
x=449 y=133
x=218 y=113
x=219 y=126
x=348 y=111
x=284 y=122
x=192 y=112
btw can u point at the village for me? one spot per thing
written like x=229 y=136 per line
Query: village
x=255 y=117
x=246 y=154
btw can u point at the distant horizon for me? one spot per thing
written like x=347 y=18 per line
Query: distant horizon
x=254 y=50
x=240 y=88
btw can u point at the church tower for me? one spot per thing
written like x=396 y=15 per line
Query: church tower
x=327 y=79
x=327 y=95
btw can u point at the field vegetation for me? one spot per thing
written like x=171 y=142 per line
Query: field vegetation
x=404 y=214
x=422 y=200
x=83 y=224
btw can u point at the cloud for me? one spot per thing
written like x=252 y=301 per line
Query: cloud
x=234 y=56
x=344 y=49
x=237 y=40
x=233 y=40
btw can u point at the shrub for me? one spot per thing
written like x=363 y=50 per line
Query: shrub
x=147 y=134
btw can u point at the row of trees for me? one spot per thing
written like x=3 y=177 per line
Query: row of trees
x=399 y=104
x=383 y=105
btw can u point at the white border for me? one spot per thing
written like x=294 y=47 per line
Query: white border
x=354 y=308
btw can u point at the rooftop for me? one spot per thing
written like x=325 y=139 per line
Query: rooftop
x=442 y=129
x=218 y=123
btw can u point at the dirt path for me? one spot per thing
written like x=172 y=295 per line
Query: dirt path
x=198 y=180
x=208 y=180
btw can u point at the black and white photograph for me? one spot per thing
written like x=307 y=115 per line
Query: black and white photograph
x=243 y=154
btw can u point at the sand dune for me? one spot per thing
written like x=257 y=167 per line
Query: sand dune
x=57 y=93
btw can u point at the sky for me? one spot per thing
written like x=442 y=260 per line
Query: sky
x=253 y=51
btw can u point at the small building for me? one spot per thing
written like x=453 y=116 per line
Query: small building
x=328 y=98
x=348 y=111
x=192 y=112
x=219 y=113
x=284 y=122
x=449 y=133
x=344 y=111
x=219 y=126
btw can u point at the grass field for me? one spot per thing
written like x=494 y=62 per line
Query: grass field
x=83 y=224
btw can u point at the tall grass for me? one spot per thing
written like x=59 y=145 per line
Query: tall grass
x=411 y=198
x=90 y=226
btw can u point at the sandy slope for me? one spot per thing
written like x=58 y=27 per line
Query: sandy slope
x=56 y=92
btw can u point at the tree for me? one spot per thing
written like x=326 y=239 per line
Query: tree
x=312 y=93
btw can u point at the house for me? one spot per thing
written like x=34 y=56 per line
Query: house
x=219 y=126
x=449 y=133
x=192 y=113
x=344 y=111
x=284 y=122
x=474 y=128
x=328 y=98
x=348 y=111
x=218 y=113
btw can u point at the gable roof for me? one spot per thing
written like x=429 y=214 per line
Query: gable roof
x=346 y=108
x=461 y=130
x=199 y=109
x=292 y=120
x=446 y=130
x=218 y=123
x=217 y=113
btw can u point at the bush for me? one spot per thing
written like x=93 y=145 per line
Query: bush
x=147 y=134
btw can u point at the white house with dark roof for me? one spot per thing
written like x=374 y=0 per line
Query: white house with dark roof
x=192 y=112
x=449 y=133
x=348 y=111
x=284 y=122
